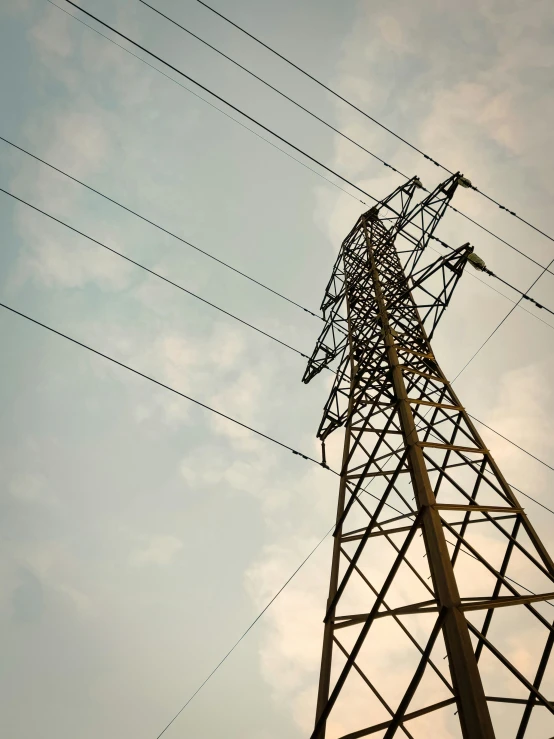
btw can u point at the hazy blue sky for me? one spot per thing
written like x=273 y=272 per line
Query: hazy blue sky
x=141 y=535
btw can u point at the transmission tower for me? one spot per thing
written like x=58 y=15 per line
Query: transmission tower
x=437 y=622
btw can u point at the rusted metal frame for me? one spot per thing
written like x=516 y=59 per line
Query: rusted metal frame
x=530 y=531
x=503 y=601
x=474 y=508
x=453 y=412
x=407 y=562
x=419 y=401
x=360 y=548
x=501 y=699
x=327 y=645
x=353 y=494
x=322 y=718
x=467 y=517
x=428 y=423
x=398 y=621
x=504 y=580
x=365 y=422
x=393 y=452
x=343 y=622
x=498 y=654
x=510 y=516
x=452 y=447
x=356 y=536
x=506 y=534
x=498 y=584
x=441 y=476
x=407 y=717
x=370 y=685
x=416 y=679
x=459 y=411
x=472 y=464
x=531 y=702
x=460 y=489
x=383 y=473
x=474 y=715
x=397 y=471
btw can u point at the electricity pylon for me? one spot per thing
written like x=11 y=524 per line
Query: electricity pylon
x=437 y=607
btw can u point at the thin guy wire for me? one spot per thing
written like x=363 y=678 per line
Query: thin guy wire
x=152 y=272
x=377 y=122
x=479 y=225
x=221 y=99
x=196 y=95
x=511 y=442
x=254 y=622
x=501 y=323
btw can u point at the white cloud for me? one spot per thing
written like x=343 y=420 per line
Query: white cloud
x=161 y=550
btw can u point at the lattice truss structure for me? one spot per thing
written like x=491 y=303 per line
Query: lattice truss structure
x=438 y=622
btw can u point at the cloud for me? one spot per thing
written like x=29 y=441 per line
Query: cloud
x=161 y=550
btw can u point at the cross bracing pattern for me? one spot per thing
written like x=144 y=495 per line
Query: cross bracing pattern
x=436 y=567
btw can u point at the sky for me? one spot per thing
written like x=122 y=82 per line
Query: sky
x=140 y=534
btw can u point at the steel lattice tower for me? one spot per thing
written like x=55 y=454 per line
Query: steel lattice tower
x=431 y=546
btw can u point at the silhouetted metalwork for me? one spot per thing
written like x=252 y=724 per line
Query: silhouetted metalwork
x=430 y=540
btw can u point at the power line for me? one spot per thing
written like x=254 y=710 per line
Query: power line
x=275 y=89
x=374 y=120
x=226 y=264
x=152 y=272
x=207 y=407
x=331 y=127
x=160 y=228
x=221 y=99
x=163 y=385
x=511 y=246
x=524 y=294
x=212 y=305
x=196 y=95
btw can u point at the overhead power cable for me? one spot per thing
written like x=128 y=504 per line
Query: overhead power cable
x=371 y=118
x=275 y=89
x=152 y=272
x=163 y=385
x=161 y=228
x=524 y=295
x=196 y=95
x=333 y=128
x=207 y=407
x=511 y=246
x=222 y=100
x=229 y=266
x=207 y=302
